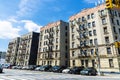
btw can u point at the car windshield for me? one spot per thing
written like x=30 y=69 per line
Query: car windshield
x=56 y=67
x=87 y=69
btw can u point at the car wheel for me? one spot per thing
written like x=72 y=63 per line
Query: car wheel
x=89 y=74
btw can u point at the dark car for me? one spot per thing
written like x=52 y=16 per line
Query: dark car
x=58 y=68
x=45 y=68
x=89 y=71
x=1 y=68
x=76 y=70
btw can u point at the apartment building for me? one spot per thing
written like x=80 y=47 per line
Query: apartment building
x=12 y=51
x=93 y=32
x=54 y=44
x=27 y=50
x=2 y=57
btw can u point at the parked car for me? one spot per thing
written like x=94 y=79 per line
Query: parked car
x=14 y=67
x=89 y=71
x=76 y=70
x=45 y=68
x=25 y=67
x=1 y=68
x=67 y=70
x=38 y=68
x=19 y=67
x=58 y=68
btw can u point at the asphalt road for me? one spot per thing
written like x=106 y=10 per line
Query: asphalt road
x=12 y=74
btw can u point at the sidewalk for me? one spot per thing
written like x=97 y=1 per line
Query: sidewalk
x=115 y=74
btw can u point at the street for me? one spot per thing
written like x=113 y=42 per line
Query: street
x=12 y=74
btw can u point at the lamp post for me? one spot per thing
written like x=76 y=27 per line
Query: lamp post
x=98 y=59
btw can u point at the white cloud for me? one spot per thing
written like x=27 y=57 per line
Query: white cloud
x=7 y=31
x=31 y=26
x=94 y=1
x=28 y=7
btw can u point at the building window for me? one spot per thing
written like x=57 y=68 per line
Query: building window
x=65 y=40
x=73 y=62
x=89 y=25
x=94 y=32
x=119 y=30
x=109 y=50
x=92 y=15
x=56 y=47
x=65 y=33
x=90 y=33
x=56 y=34
x=114 y=29
x=72 y=36
x=102 y=12
x=92 y=51
x=83 y=18
x=106 y=39
x=86 y=63
x=88 y=16
x=93 y=23
x=72 y=30
x=95 y=41
x=119 y=14
x=73 y=53
x=93 y=63
x=56 y=55
x=66 y=47
x=115 y=13
x=72 y=44
x=118 y=22
x=91 y=42
x=66 y=28
x=112 y=20
x=56 y=40
x=105 y=30
x=104 y=21
x=55 y=62
x=111 y=63
x=82 y=62
x=116 y=37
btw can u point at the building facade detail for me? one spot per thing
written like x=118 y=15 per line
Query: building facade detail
x=53 y=44
x=91 y=30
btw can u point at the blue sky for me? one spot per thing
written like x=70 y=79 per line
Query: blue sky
x=18 y=17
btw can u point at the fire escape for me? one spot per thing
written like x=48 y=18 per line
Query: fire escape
x=22 y=51
x=83 y=38
x=50 y=44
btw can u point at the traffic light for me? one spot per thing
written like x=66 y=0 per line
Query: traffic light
x=114 y=1
x=117 y=44
x=109 y=4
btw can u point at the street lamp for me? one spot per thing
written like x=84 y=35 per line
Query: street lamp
x=98 y=59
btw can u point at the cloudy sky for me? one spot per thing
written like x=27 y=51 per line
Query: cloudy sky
x=18 y=17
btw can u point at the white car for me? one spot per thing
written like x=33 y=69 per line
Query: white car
x=66 y=70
